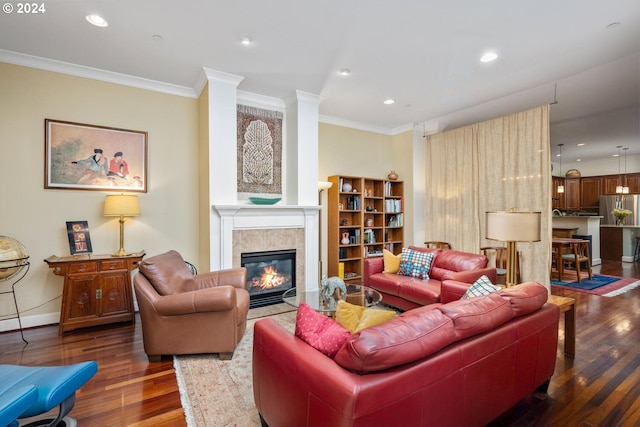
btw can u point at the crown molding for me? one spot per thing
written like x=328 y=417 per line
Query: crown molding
x=93 y=73
x=366 y=127
x=187 y=92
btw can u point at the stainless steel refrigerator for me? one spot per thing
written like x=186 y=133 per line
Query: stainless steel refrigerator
x=623 y=201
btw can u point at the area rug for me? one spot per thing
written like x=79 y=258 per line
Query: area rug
x=599 y=284
x=218 y=392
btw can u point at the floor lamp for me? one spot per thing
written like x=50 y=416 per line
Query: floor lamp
x=513 y=227
x=322 y=185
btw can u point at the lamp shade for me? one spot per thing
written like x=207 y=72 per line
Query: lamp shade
x=121 y=205
x=324 y=185
x=513 y=226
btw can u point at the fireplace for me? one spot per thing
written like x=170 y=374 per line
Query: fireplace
x=269 y=275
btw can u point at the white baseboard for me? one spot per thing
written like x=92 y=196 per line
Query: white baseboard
x=36 y=320
x=29 y=321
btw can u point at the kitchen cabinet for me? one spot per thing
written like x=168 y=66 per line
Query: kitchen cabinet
x=590 y=190
x=609 y=184
x=572 y=193
x=557 y=199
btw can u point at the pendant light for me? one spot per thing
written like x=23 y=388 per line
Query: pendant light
x=625 y=189
x=619 y=186
x=561 y=186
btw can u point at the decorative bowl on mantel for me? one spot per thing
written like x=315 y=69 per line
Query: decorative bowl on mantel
x=264 y=200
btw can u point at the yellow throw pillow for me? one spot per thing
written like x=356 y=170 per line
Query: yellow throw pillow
x=391 y=261
x=354 y=317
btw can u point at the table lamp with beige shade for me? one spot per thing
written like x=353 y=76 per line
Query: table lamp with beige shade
x=121 y=205
x=512 y=227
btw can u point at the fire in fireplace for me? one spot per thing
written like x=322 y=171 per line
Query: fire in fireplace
x=269 y=275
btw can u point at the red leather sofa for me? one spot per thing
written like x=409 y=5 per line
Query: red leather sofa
x=406 y=292
x=457 y=364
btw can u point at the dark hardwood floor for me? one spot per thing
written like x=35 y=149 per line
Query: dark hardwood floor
x=599 y=387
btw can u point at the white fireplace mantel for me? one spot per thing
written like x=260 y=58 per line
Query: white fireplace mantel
x=252 y=217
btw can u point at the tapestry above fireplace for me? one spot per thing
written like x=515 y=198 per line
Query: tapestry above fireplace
x=259 y=152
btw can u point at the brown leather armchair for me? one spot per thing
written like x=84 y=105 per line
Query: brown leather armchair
x=183 y=313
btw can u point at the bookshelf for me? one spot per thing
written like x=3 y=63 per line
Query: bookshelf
x=365 y=216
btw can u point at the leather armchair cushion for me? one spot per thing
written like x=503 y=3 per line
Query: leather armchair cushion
x=222 y=298
x=407 y=338
x=166 y=272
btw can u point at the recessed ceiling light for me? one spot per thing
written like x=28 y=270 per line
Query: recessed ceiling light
x=245 y=41
x=582 y=144
x=389 y=101
x=613 y=25
x=157 y=37
x=97 y=20
x=488 y=57
x=345 y=71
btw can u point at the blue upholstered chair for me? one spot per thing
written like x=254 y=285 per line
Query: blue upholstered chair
x=29 y=391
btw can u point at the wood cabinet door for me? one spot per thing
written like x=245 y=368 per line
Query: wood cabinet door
x=609 y=184
x=590 y=190
x=633 y=182
x=80 y=300
x=114 y=293
x=572 y=193
x=557 y=199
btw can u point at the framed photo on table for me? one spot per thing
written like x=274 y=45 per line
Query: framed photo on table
x=88 y=157
x=79 y=239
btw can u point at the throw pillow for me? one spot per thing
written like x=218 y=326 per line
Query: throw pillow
x=482 y=286
x=391 y=261
x=355 y=318
x=415 y=263
x=319 y=331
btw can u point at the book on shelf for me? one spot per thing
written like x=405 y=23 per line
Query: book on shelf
x=354 y=203
x=393 y=205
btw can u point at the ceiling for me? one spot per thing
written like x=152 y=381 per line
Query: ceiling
x=424 y=54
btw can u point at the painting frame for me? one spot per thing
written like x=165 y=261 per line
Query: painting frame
x=81 y=156
x=79 y=237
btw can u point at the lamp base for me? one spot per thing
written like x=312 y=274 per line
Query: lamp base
x=512 y=254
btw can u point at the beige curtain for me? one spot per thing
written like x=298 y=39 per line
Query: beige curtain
x=491 y=166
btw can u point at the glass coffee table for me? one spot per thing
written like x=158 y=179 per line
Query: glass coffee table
x=356 y=294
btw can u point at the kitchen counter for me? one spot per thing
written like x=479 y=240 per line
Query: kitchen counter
x=619 y=241
x=586 y=225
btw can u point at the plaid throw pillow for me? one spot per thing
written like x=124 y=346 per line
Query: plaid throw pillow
x=480 y=287
x=415 y=264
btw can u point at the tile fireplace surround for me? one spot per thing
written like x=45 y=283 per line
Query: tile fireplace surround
x=250 y=228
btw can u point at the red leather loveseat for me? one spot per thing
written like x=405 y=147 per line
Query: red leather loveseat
x=406 y=292
x=457 y=364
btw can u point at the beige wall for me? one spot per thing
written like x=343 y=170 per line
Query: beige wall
x=347 y=151
x=37 y=217
x=175 y=208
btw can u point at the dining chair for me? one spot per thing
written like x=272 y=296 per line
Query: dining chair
x=497 y=256
x=578 y=255
x=438 y=245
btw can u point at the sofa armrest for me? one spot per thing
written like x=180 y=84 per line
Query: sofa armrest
x=471 y=276
x=372 y=266
x=236 y=277
x=452 y=290
x=221 y=298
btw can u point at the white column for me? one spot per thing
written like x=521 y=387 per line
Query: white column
x=222 y=98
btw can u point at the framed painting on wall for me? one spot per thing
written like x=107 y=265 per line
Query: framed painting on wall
x=88 y=157
x=79 y=239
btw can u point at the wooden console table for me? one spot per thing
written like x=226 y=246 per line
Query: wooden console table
x=97 y=289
